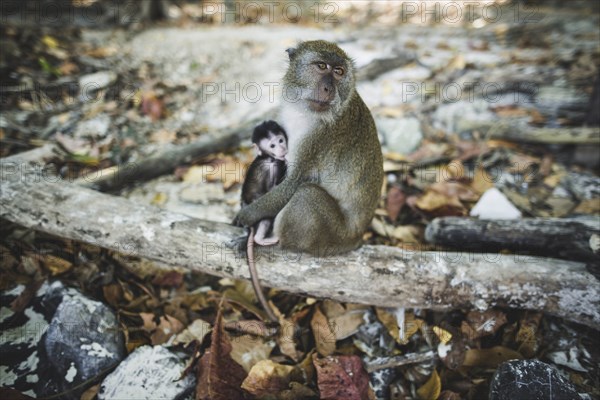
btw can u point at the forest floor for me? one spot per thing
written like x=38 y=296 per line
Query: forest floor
x=462 y=107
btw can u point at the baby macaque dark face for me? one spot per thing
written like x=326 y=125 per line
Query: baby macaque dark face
x=274 y=145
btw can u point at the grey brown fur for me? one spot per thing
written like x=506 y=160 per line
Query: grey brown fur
x=336 y=170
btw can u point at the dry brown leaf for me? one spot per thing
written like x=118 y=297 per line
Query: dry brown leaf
x=8 y=261
x=167 y=327
x=113 y=294
x=57 y=265
x=323 y=332
x=449 y=395
x=251 y=327
x=152 y=106
x=553 y=180
x=345 y=320
x=219 y=377
x=102 y=52
x=527 y=336
x=536 y=117
x=469 y=150
x=390 y=321
x=432 y=388
x=267 y=378
x=347 y=324
x=196 y=331
x=223 y=168
x=408 y=233
x=432 y=200
x=455 y=190
x=438 y=205
x=482 y=181
x=332 y=308
x=163 y=136
x=591 y=206
x=442 y=334
x=511 y=111
x=91 y=393
x=247 y=350
x=342 y=378
x=298 y=391
x=172 y=279
x=482 y=323
x=394 y=202
x=393 y=166
x=240 y=299
x=453 y=354
x=148 y=322
x=68 y=68
x=24 y=298
x=521 y=163
x=287 y=337
x=429 y=150
x=490 y=358
x=456 y=63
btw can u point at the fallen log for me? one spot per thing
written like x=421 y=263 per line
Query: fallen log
x=554 y=237
x=380 y=66
x=376 y=275
x=524 y=133
x=119 y=176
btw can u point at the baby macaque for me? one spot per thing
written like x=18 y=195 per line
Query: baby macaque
x=266 y=171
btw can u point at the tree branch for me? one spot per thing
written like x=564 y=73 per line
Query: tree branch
x=376 y=275
x=523 y=133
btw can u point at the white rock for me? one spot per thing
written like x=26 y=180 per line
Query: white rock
x=148 y=373
x=99 y=80
x=494 y=205
x=96 y=127
x=401 y=135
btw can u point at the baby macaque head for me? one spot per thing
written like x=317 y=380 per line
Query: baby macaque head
x=270 y=139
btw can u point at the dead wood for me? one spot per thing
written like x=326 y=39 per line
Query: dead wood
x=525 y=133
x=119 y=176
x=380 y=66
x=554 y=237
x=397 y=361
x=377 y=275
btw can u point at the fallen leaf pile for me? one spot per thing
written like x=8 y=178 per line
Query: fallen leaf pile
x=318 y=349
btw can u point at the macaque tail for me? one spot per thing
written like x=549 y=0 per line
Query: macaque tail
x=254 y=277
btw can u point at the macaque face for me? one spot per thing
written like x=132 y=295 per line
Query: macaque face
x=274 y=145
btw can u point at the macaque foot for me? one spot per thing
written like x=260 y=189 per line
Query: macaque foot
x=266 y=241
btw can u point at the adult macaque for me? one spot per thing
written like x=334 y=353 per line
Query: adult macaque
x=335 y=167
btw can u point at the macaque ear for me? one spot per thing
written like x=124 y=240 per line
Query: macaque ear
x=291 y=52
x=257 y=149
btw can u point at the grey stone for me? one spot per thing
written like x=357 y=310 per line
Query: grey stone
x=82 y=341
x=584 y=186
x=402 y=135
x=59 y=341
x=531 y=380
x=96 y=81
x=96 y=127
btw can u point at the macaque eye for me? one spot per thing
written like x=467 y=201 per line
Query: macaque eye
x=280 y=140
x=321 y=65
x=339 y=71
x=272 y=146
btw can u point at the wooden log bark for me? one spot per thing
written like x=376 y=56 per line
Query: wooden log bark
x=380 y=66
x=525 y=133
x=554 y=237
x=377 y=275
x=117 y=177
